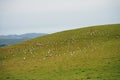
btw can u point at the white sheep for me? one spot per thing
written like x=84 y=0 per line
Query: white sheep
x=24 y=58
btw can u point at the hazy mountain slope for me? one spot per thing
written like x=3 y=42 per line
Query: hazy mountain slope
x=13 y=39
x=91 y=53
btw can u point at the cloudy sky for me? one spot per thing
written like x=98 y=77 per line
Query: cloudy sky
x=49 y=16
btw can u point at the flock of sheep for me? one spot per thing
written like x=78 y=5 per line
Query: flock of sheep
x=49 y=52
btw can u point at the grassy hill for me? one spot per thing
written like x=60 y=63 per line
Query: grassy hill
x=91 y=53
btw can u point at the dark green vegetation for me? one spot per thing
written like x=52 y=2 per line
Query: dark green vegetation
x=13 y=39
x=91 y=53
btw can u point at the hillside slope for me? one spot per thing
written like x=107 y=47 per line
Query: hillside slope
x=90 y=53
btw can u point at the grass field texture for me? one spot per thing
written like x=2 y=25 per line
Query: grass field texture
x=91 y=53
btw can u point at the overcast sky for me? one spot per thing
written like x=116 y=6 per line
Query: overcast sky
x=49 y=16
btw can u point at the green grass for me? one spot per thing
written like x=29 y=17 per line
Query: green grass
x=90 y=53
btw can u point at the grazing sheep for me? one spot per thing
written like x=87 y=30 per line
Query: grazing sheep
x=71 y=54
x=44 y=58
x=48 y=51
x=24 y=58
x=64 y=53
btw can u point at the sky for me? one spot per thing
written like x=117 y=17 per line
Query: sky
x=50 y=16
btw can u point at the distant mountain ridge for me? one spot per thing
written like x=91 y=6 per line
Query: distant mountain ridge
x=27 y=35
x=13 y=39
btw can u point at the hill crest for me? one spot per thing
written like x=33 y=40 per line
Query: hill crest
x=86 y=53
